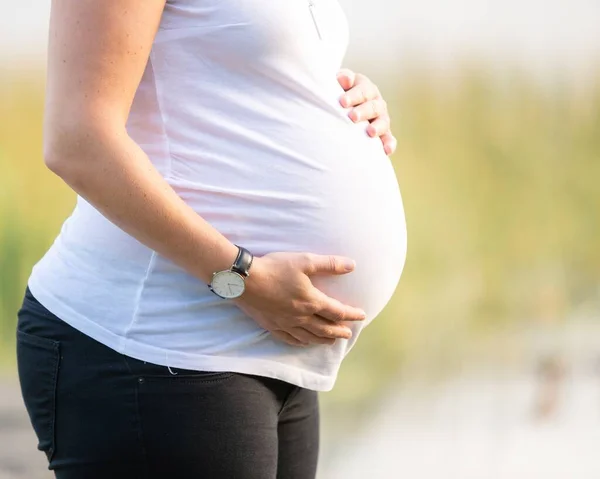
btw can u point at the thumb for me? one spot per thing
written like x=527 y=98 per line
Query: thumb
x=328 y=264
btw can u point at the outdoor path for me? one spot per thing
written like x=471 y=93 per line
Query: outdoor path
x=19 y=457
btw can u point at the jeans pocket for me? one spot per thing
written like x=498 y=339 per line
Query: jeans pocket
x=38 y=362
x=182 y=375
x=145 y=370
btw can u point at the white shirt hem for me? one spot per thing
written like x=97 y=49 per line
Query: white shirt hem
x=164 y=357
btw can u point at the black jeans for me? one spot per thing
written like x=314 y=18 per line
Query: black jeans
x=100 y=414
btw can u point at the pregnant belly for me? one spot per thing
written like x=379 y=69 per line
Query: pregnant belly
x=363 y=218
x=337 y=194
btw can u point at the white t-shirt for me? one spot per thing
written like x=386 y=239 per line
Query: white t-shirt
x=239 y=110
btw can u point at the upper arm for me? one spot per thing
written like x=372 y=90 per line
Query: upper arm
x=97 y=53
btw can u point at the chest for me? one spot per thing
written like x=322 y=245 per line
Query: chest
x=252 y=29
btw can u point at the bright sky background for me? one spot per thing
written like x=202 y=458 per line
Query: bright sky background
x=536 y=33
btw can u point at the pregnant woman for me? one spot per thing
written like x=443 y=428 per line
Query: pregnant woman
x=238 y=223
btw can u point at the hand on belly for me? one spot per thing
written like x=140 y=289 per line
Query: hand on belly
x=282 y=299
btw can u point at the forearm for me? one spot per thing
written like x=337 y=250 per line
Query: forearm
x=113 y=173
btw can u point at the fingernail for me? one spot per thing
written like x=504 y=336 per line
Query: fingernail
x=371 y=131
x=349 y=265
x=345 y=101
x=388 y=149
x=354 y=116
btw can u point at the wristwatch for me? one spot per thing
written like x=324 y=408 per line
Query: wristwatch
x=231 y=283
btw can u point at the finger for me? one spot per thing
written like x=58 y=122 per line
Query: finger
x=327 y=329
x=369 y=111
x=288 y=338
x=389 y=143
x=379 y=127
x=309 y=337
x=347 y=78
x=334 y=310
x=326 y=264
x=359 y=93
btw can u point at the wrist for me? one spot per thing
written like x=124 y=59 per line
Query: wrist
x=221 y=258
x=256 y=277
x=230 y=282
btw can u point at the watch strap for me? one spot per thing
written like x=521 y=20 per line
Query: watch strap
x=242 y=262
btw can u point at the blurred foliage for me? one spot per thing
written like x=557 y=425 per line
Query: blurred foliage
x=499 y=176
x=500 y=179
x=33 y=201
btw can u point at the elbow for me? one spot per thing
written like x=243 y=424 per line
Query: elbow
x=54 y=161
x=70 y=150
x=62 y=148
x=58 y=148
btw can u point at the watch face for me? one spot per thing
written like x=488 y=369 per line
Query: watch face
x=228 y=284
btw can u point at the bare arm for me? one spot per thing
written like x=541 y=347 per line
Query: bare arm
x=97 y=54
x=96 y=58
